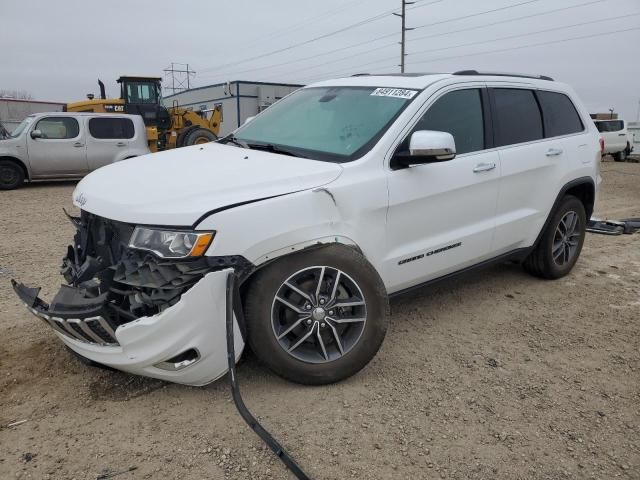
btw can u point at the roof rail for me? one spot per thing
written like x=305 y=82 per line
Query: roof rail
x=496 y=74
x=360 y=74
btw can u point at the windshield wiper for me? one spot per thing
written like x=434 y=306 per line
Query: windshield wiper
x=231 y=138
x=269 y=147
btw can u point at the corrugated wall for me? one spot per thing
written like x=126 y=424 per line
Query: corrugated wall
x=12 y=112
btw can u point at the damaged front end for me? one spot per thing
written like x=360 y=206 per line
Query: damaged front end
x=135 y=311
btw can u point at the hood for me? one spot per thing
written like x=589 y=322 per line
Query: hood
x=177 y=187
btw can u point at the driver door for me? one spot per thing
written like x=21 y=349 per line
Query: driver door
x=441 y=215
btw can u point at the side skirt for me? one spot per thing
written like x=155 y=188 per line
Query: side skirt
x=517 y=255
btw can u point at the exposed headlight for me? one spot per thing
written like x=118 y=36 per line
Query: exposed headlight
x=171 y=244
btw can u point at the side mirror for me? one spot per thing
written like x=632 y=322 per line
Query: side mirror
x=248 y=119
x=426 y=146
x=36 y=134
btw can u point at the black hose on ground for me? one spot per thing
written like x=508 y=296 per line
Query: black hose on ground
x=267 y=438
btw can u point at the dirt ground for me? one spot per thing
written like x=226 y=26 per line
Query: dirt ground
x=495 y=375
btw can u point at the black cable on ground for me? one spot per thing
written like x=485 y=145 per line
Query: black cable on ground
x=272 y=443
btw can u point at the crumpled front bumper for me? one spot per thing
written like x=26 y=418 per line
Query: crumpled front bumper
x=185 y=343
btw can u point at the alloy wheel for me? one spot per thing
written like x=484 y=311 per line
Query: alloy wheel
x=318 y=314
x=566 y=238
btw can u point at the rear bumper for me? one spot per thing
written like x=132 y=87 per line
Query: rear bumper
x=195 y=324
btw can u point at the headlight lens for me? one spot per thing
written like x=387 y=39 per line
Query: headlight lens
x=171 y=244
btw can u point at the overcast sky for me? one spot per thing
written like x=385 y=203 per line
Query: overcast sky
x=56 y=50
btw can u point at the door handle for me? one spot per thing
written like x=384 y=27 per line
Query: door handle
x=484 y=167
x=553 y=152
x=78 y=144
x=121 y=144
x=622 y=134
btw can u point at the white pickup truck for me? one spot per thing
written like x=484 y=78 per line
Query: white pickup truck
x=617 y=141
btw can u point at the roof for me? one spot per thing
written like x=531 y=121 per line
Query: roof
x=138 y=77
x=423 y=80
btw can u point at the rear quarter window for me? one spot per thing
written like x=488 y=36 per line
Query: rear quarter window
x=111 y=128
x=559 y=115
x=516 y=116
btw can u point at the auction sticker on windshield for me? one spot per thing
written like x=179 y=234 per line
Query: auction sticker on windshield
x=394 y=92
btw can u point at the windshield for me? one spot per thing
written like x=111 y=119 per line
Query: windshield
x=21 y=128
x=335 y=124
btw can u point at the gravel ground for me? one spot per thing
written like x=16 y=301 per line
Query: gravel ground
x=495 y=375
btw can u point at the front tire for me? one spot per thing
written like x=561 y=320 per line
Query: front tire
x=11 y=175
x=316 y=317
x=561 y=243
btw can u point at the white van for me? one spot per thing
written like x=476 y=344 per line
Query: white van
x=68 y=145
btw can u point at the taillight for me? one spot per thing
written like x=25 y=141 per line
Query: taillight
x=602 y=145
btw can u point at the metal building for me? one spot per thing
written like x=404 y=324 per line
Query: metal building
x=239 y=99
x=13 y=111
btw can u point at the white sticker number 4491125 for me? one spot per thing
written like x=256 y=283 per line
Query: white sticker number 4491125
x=394 y=92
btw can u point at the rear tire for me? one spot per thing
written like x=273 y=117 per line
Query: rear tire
x=561 y=243
x=199 y=136
x=11 y=175
x=301 y=341
x=620 y=156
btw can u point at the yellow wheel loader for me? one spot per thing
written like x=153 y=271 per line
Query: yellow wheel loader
x=166 y=127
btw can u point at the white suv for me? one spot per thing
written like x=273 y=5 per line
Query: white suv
x=341 y=194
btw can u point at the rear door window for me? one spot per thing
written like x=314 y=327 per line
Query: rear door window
x=111 y=128
x=559 y=114
x=58 y=128
x=517 y=116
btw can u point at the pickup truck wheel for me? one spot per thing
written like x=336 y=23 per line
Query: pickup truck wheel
x=561 y=243
x=11 y=175
x=620 y=156
x=316 y=317
x=198 y=136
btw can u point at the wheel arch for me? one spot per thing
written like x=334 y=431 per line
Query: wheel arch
x=583 y=188
x=20 y=163
x=324 y=243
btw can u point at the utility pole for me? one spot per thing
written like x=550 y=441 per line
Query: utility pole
x=180 y=77
x=403 y=31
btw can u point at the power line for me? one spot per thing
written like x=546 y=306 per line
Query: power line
x=354 y=68
x=382 y=15
x=306 y=42
x=477 y=14
x=592 y=35
x=332 y=60
x=509 y=37
x=299 y=25
x=419 y=4
x=340 y=49
x=508 y=20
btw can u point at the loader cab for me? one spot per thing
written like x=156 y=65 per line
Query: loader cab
x=143 y=96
